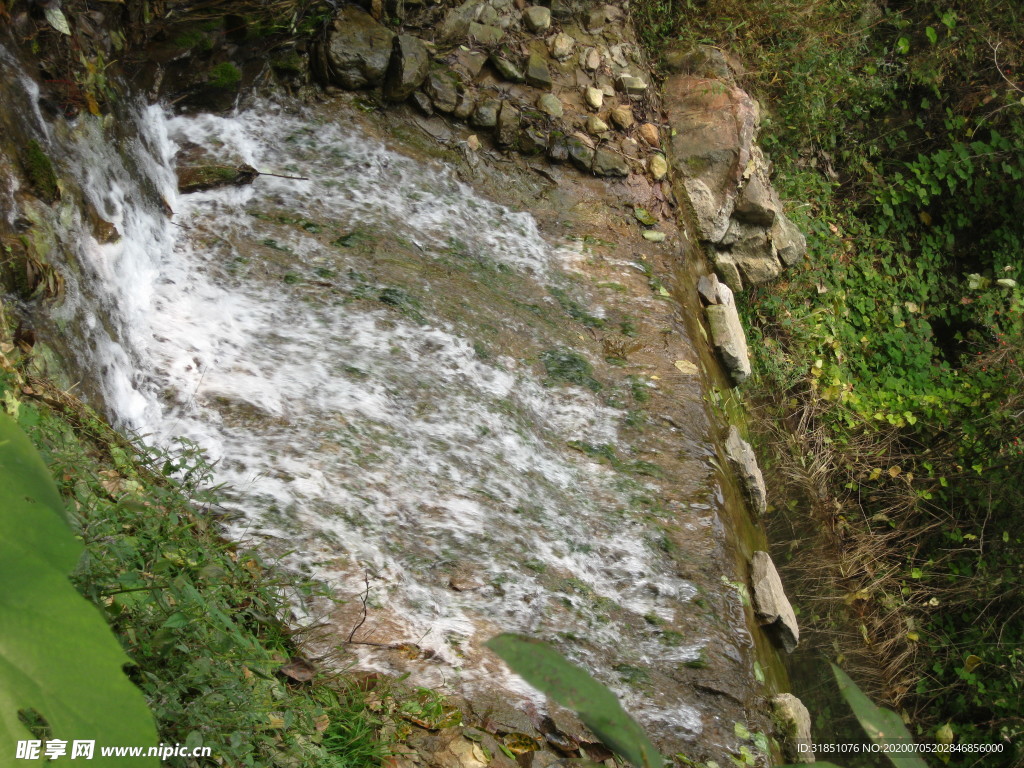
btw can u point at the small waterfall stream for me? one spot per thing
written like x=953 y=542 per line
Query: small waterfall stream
x=370 y=355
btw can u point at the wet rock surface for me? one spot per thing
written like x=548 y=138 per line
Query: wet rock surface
x=565 y=204
x=408 y=67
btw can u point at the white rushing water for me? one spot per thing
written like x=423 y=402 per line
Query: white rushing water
x=359 y=440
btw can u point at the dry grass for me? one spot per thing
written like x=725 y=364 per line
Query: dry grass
x=853 y=520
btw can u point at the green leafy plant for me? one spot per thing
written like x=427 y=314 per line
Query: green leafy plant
x=883 y=726
x=546 y=669
x=60 y=666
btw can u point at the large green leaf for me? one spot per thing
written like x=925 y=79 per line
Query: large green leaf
x=883 y=726
x=545 y=669
x=58 y=657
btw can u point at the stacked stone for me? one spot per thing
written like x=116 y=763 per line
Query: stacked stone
x=553 y=81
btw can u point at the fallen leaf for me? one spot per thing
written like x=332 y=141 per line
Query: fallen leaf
x=685 y=366
x=298 y=669
x=57 y=20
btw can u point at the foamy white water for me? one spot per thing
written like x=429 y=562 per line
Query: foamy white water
x=357 y=438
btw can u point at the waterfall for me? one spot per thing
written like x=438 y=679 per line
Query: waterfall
x=361 y=352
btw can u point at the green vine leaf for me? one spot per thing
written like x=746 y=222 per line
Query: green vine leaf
x=58 y=657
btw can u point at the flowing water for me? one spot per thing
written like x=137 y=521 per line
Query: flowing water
x=378 y=360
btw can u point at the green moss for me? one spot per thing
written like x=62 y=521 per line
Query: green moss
x=225 y=75
x=565 y=366
x=39 y=170
x=574 y=310
x=701 y=662
x=193 y=38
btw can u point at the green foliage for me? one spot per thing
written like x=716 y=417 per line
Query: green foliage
x=900 y=129
x=883 y=726
x=59 y=661
x=545 y=669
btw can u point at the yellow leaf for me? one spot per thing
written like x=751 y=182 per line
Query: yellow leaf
x=853 y=597
x=685 y=366
x=913 y=637
x=894 y=471
x=94 y=108
x=971 y=663
x=944 y=735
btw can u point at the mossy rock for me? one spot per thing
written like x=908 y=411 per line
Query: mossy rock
x=196 y=178
x=39 y=171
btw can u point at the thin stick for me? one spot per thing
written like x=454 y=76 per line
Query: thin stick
x=365 y=598
x=282 y=176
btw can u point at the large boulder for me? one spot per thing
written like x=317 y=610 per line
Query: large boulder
x=723 y=173
x=770 y=602
x=410 y=63
x=357 y=50
x=743 y=460
x=757 y=203
x=751 y=249
x=714 y=124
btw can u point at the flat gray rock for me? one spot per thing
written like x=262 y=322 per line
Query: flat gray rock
x=770 y=601
x=728 y=337
x=743 y=460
